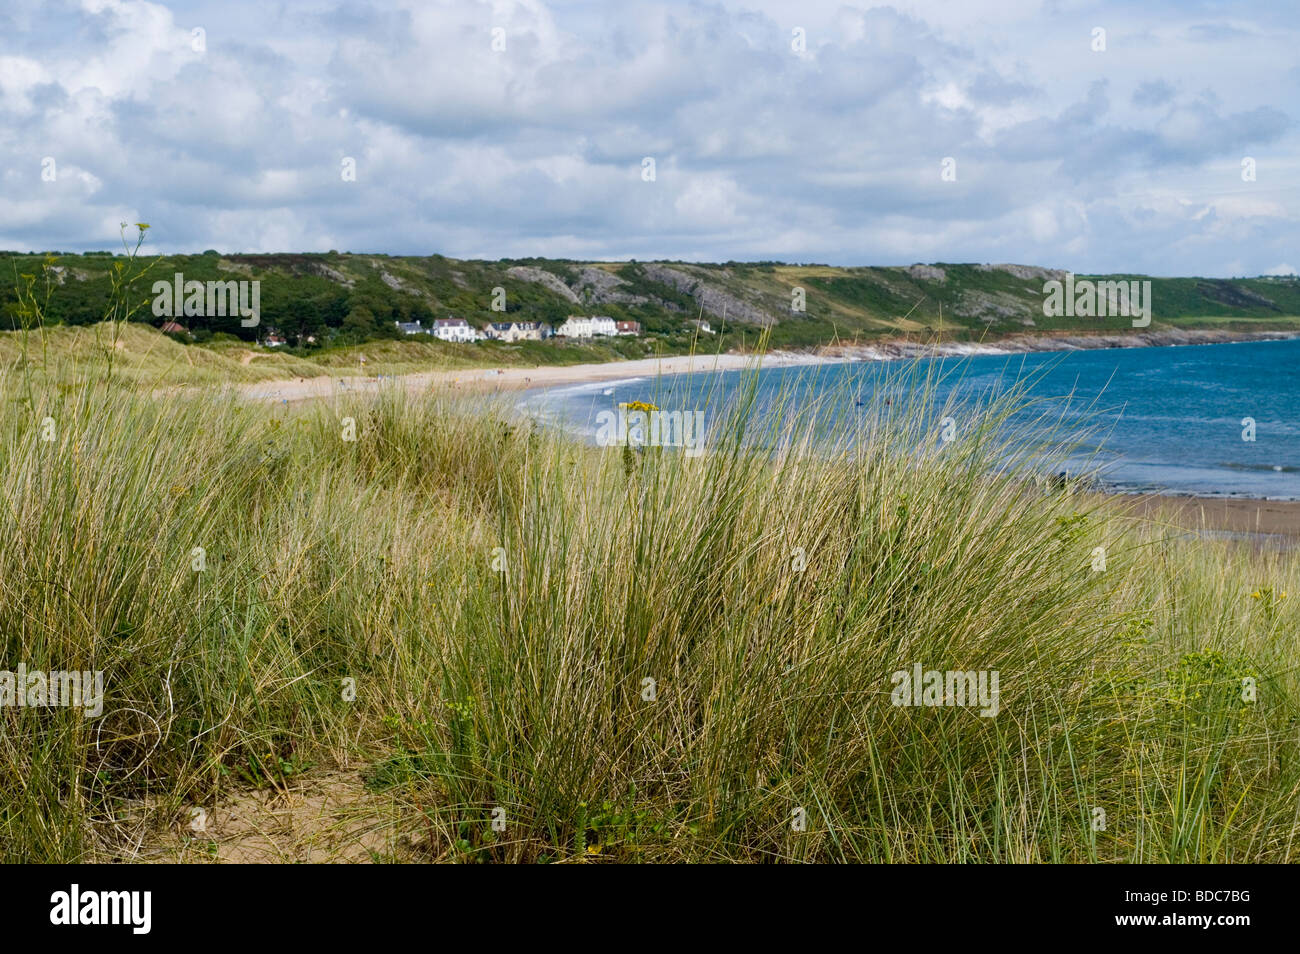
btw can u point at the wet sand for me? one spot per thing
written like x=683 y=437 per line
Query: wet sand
x=1225 y=515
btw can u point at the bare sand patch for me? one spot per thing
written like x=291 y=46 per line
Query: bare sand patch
x=318 y=818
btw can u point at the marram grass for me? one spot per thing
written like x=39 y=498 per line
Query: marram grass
x=628 y=655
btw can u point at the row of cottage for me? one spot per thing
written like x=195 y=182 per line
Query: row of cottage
x=575 y=326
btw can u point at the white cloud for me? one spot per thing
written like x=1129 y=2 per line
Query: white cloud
x=829 y=156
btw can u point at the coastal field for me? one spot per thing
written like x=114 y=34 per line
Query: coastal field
x=399 y=623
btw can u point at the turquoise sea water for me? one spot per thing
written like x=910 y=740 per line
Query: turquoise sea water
x=1165 y=419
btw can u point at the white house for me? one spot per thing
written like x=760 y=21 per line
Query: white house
x=454 y=329
x=517 y=330
x=580 y=326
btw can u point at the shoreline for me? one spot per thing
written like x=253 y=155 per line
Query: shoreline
x=1247 y=516
x=1056 y=341
x=515 y=378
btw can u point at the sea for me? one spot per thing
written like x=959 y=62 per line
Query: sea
x=1205 y=420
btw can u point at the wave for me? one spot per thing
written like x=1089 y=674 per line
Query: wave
x=1266 y=468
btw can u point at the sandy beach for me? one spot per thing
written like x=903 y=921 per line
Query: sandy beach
x=516 y=378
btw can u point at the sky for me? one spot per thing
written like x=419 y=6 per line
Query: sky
x=1155 y=137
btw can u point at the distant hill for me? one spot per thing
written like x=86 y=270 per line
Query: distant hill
x=344 y=298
